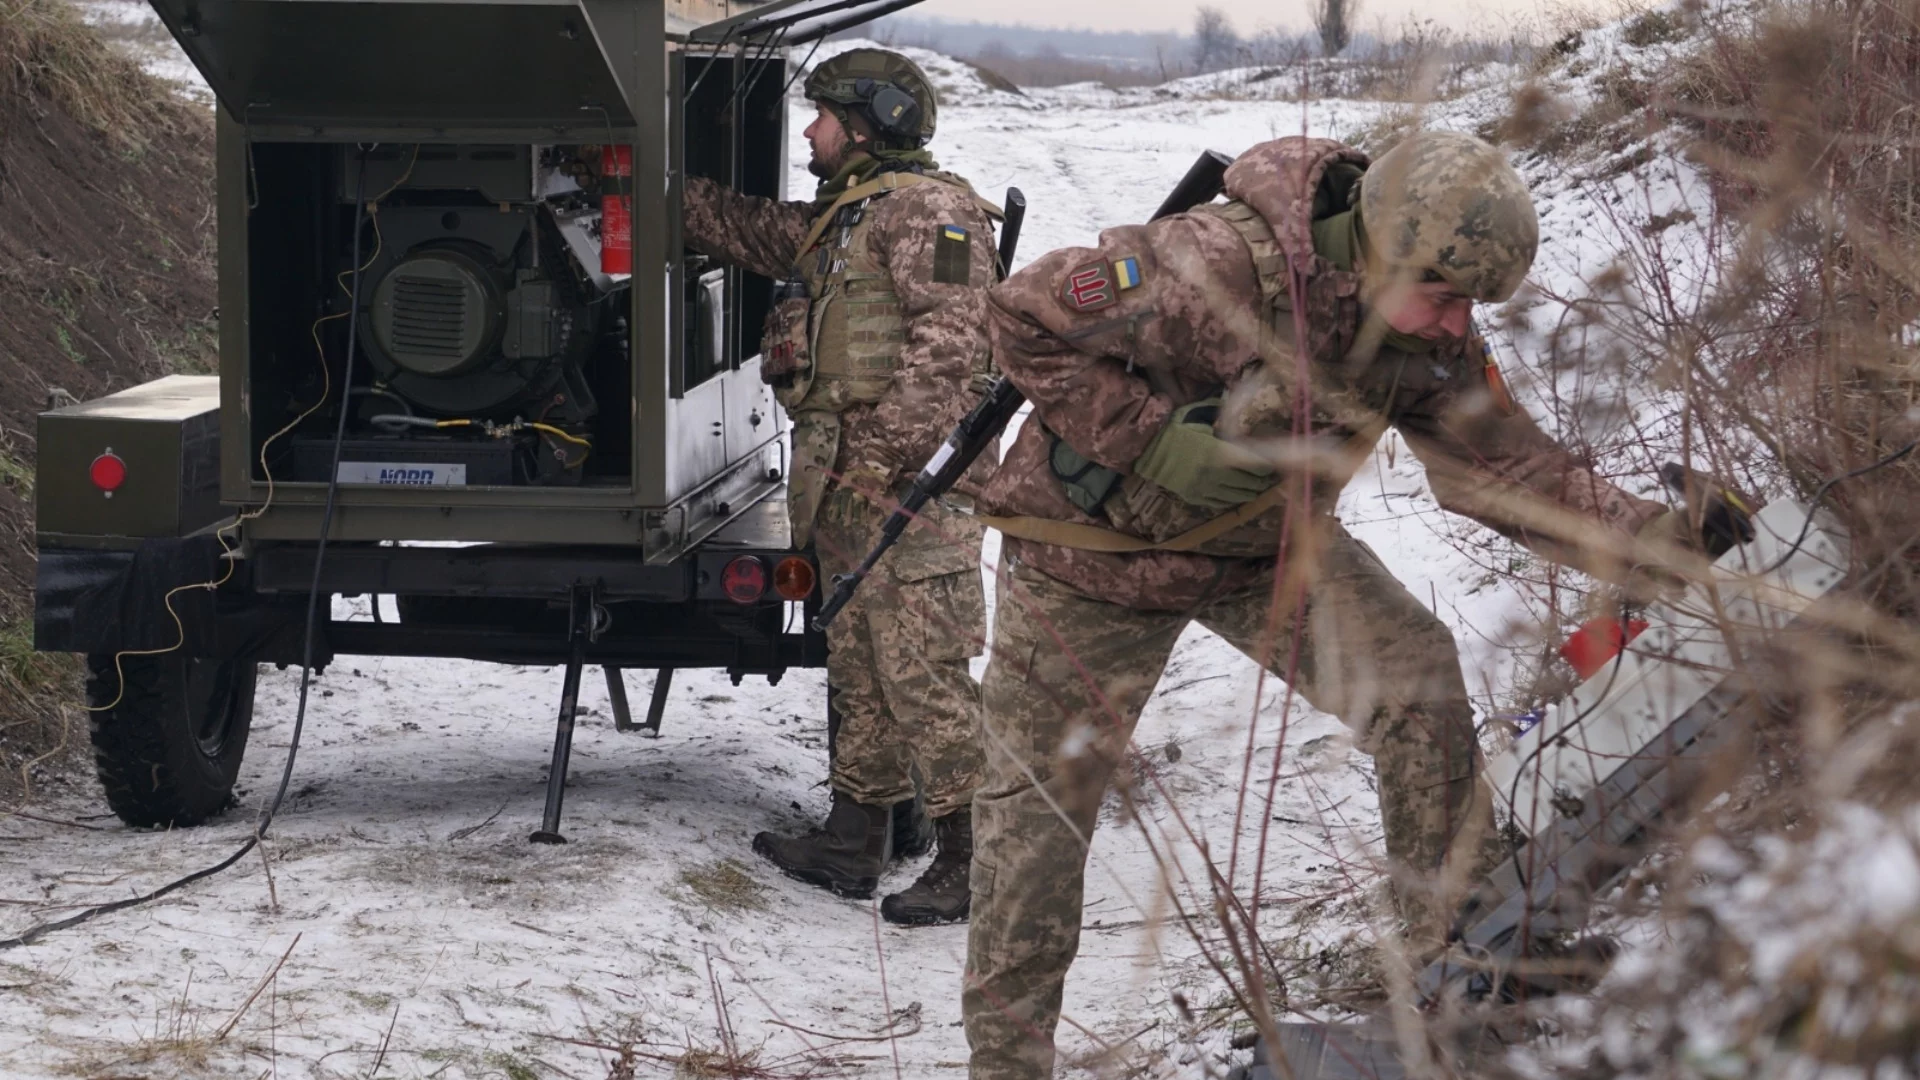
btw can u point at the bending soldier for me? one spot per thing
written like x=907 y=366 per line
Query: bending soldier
x=1328 y=296
x=873 y=343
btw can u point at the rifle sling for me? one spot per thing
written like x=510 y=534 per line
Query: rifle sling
x=1094 y=538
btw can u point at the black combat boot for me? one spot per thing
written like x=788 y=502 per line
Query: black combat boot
x=912 y=829
x=844 y=855
x=942 y=895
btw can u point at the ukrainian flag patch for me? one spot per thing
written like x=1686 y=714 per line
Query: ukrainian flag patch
x=952 y=256
x=1126 y=273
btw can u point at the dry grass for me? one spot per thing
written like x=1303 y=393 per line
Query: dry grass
x=725 y=886
x=49 y=53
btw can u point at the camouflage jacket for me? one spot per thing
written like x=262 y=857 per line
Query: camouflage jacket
x=945 y=337
x=1106 y=342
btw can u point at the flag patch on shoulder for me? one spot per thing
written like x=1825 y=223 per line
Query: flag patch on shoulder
x=952 y=256
x=1126 y=273
x=1090 y=287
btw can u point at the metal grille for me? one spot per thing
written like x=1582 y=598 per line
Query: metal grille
x=429 y=317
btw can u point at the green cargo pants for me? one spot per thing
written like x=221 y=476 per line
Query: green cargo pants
x=1064 y=687
x=898 y=656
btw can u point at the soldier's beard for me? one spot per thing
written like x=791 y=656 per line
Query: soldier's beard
x=826 y=169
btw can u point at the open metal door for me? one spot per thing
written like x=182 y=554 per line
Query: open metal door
x=796 y=22
x=522 y=64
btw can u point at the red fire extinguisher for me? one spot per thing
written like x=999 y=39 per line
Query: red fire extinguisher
x=616 y=209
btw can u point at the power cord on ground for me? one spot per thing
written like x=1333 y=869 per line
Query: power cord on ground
x=267 y=813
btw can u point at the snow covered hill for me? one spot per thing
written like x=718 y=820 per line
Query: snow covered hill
x=401 y=918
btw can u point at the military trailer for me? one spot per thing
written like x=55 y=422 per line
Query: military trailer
x=460 y=333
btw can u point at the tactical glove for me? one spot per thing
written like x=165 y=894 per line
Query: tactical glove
x=1725 y=521
x=1188 y=460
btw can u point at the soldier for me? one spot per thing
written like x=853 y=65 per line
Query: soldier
x=872 y=346
x=1203 y=387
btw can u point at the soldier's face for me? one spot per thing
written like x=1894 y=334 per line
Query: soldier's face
x=1428 y=309
x=831 y=143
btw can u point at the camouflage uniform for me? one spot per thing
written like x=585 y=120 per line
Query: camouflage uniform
x=1106 y=343
x=907 y=347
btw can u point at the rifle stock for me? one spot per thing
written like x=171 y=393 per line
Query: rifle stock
x=1205 y=180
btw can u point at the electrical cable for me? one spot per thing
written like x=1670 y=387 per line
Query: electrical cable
x=267 y=813
x=1619 y=658
x=226 y=531
x=1821 y=493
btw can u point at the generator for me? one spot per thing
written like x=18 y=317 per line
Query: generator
x=465 y=359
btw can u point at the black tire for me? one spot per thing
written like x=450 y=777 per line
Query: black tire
x=169 y=748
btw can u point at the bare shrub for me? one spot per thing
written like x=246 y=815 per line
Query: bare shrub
x=1333 y=20
x=1216 y=44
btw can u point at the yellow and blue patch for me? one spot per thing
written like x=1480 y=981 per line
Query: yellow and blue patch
x=952 y=256
x=1126 y=273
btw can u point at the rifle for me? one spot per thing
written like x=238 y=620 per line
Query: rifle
x=1205 y=180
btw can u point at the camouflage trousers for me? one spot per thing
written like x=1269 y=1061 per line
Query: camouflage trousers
x=897 y=660
x=1064 y=688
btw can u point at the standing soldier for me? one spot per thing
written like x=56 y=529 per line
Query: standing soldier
x=1325 y=302
x=874 y=341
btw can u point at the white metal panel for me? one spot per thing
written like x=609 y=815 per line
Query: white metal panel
x=1688 y=649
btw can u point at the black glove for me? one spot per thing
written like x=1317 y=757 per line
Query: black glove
x=1725 y=523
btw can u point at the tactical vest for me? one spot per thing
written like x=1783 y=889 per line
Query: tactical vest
x=851 y=335
x=856 y=325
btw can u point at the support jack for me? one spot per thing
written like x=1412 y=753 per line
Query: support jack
x=584 y=622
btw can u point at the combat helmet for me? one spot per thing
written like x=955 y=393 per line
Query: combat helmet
x=885 y=95
x=1446 y=204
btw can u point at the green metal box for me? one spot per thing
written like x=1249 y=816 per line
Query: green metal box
x=156 y=449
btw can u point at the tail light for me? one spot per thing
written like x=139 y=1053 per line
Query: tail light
x=108 y=472
x=793 y=579
x=1597 y=642
x=744 y=580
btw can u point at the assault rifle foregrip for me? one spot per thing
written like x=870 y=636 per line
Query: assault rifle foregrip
x=1205 y=180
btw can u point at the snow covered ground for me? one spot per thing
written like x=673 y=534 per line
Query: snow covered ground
x=401 y=919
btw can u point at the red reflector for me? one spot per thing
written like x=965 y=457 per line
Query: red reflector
x=793 y=578
x=108 y=472
x=744 y=580
x=1597 y=642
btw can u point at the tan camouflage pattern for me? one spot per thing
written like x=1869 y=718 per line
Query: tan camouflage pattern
x=1448 y=202
x=943 y=349
x=900 y=676
x=1201 y=320
x=898 y=656
x=876 y=64
x=1067 y=680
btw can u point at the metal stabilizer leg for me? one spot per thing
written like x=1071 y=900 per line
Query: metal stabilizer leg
x=617 y=694
x=580 y=630
x=657 y=708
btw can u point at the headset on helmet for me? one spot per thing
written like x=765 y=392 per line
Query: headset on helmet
x=884 y=89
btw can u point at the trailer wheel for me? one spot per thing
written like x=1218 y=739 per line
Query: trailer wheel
x=168 y=749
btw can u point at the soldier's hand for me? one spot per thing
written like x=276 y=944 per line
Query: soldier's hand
x=1188 y=460
x=1724 y=521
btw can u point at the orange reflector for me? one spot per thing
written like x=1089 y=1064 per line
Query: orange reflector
x=744 y=580
x=793 y=579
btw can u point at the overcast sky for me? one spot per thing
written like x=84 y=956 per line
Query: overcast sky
x=1248 y=15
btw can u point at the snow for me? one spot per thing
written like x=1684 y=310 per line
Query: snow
x=426 y=923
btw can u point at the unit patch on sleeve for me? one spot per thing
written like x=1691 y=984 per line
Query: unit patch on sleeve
x=952 y=256
x=1091 y=287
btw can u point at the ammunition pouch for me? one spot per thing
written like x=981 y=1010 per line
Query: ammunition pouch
x=784 y=348
x=1087 y=482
